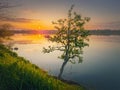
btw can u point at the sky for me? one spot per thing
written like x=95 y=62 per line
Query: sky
x=38 y=14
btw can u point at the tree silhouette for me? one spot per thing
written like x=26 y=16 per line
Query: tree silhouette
x=5 y=32
x=4 y=6
x=70 y=37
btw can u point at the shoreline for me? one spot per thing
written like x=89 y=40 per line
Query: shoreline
x=20 y=73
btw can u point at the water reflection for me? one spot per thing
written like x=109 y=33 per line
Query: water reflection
x=100 y=67
x=28 y=38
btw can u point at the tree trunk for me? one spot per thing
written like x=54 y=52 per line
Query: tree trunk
x=67 y=47
x=62 y=68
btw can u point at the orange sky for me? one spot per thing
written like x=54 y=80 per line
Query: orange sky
x=34 y=24
x=30 y=25
x=38 y=14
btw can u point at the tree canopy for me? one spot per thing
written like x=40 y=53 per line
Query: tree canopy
x=70 y=37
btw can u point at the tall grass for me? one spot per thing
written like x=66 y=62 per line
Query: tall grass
x=17 y=73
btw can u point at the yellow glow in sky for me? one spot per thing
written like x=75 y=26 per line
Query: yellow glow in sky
x=31 y=25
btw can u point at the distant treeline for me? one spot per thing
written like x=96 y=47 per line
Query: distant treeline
x=34 y=31
x=92 y=32
x=104 y=32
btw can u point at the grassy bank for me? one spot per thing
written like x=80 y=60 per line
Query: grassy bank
x=17 y=73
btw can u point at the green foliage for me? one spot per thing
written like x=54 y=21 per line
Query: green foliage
x=16 y=73
x=71 y=36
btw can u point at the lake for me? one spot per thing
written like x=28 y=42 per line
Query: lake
x=100 y=69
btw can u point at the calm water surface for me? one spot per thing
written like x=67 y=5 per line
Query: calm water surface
x=99 y=70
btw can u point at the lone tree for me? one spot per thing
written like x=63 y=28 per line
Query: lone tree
x=70 y=37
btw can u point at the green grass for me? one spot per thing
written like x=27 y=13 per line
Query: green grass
x=17 y=73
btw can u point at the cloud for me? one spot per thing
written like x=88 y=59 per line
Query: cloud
x=111 y=25
x=19 y=20
x=108 y=25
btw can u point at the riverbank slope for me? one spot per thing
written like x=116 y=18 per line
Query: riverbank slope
x=17 y=73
